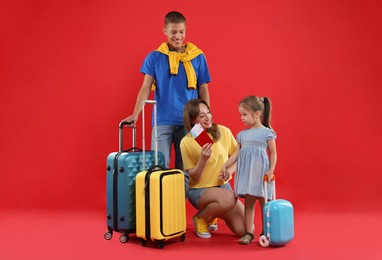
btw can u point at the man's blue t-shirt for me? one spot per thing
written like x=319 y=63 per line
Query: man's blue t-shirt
x=171 y=92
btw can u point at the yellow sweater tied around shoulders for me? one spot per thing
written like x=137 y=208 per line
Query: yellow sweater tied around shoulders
x=175 y=57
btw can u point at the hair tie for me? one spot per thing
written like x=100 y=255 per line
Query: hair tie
x=262 y=99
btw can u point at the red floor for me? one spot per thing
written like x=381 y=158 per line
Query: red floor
x=79 y=235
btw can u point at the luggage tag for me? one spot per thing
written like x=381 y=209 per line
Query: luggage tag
x=200 y=135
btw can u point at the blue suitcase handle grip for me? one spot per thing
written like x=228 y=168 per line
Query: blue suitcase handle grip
x=130 y=124
x=133 y=149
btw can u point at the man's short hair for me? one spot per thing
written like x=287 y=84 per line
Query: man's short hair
x=174 y=17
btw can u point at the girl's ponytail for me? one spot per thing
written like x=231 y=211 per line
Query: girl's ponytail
x=267 y=112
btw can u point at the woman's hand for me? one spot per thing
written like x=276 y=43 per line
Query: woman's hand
x=196 y=172
x=205 y=154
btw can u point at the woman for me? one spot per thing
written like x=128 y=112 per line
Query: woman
x=209 y=193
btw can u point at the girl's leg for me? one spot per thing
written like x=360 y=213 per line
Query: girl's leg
x=249 y=214
x=262 y=203
x=249 y=202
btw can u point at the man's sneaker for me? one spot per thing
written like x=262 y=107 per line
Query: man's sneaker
x=213 y=224
x=201 y=227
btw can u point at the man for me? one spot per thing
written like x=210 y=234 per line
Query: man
x=177 y=72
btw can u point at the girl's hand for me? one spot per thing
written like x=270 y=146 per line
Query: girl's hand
x=224 y=174
x=227 y=175
x=270 y=175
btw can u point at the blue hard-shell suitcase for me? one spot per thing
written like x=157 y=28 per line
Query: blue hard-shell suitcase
x=278 y=220
x=121 y=170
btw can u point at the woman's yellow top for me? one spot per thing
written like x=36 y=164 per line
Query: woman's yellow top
x=221 y=150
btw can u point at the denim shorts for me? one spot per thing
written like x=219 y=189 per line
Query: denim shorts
x=194 y=195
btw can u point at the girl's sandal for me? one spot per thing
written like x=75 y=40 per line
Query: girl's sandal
x=246 y=239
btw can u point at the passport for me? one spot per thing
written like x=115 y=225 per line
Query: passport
x=200 y=135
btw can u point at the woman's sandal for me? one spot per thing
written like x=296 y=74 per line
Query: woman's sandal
x=246 y=239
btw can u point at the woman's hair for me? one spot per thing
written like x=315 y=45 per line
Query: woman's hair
x=174 y=17
x=262 y=104
x=191 y=112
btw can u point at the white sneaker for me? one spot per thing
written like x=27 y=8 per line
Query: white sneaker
x=213 y=224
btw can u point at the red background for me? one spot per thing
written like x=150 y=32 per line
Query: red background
x=70 y=72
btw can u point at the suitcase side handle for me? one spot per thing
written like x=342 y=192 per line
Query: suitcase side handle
x=130 y=124
x=154 y=103
x=273 y=181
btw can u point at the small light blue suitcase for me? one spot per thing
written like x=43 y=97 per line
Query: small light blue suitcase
x=278 y=220
x=122 y=168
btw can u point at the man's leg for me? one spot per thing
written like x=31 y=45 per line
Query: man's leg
x=179 y=133
x=165 y=138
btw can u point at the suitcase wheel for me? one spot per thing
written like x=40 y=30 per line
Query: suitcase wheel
x=160 y=244
x=183 y=238
x=263 y=241
x=143 y=242
x=124 y=238
x=108 y=235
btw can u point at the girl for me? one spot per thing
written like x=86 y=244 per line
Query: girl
x=252 y=159
x=211 y=196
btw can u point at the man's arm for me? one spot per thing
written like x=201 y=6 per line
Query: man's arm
x=143 y=94
x=204 y=94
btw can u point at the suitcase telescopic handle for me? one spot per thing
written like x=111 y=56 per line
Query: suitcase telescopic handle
x=154 y=103
x=130 y=125
x=273 y=181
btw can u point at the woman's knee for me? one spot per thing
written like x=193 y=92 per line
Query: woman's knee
x=228 y=201
x=223 y=200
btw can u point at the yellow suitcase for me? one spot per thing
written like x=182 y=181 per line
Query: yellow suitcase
x=160 y=205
